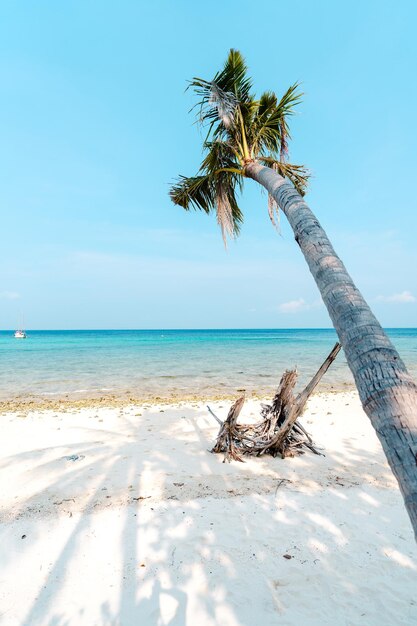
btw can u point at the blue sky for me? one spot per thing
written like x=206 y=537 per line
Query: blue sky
x=95 y=126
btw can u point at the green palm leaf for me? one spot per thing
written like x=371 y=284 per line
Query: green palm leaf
x=195 y=192
x=241 y=129
x=220 y=96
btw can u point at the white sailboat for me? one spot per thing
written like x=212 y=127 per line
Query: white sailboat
x=20 y=334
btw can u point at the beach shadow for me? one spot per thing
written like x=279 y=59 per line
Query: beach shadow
x=191 y=536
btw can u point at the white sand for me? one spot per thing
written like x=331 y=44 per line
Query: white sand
x=147 y=528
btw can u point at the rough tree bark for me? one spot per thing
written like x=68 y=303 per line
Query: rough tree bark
x=386 y=389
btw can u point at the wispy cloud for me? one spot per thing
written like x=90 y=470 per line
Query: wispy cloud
x=299 y=305
x=9 y=295
x=403 y=297
x=293 y=306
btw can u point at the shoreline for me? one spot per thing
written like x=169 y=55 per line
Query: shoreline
x=70 y=402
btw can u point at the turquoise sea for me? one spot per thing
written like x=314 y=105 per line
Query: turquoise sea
x=171 y=363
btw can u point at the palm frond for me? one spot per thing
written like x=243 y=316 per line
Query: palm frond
x=215 y=103
x=233 y=77
x=211 y=192
x=270 y=131
x=286 y=106
x=283 y=142
x=291 y=98
x=219 y=155
x=225 y=103
x=273 y=212
x=263 y=109
x=236 y=213
x=224 y=211
x=219 y=97
x=220 y=158
x=240 y=129
x=273 y=208
x=297 y=174
x=195 y=192
x=267 y=105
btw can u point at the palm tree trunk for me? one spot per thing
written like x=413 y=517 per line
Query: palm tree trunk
x=386 y=389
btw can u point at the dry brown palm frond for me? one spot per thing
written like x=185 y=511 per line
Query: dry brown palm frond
x=273 y=208
x=283 y=152
x=224 y=212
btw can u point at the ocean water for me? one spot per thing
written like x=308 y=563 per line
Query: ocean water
x=171 y=363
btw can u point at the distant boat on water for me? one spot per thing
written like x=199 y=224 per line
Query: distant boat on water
x=20 y=333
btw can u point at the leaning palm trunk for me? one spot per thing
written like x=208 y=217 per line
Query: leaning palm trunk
x=386 y=389
x=243 y=133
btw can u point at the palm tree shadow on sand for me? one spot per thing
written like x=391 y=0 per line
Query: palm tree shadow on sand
x=195 y=539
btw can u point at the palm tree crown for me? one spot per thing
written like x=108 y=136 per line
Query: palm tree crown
x=241 y=130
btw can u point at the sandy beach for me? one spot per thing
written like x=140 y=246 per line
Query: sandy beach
x=120 y=516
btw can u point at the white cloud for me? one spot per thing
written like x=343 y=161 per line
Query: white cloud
x=9 y=295
x=293 y=306
x=405 y=296
x=296 y=306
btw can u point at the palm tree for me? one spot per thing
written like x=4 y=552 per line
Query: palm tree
x=248 y=138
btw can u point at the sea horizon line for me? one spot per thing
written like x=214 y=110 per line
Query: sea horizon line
x=208 y=329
